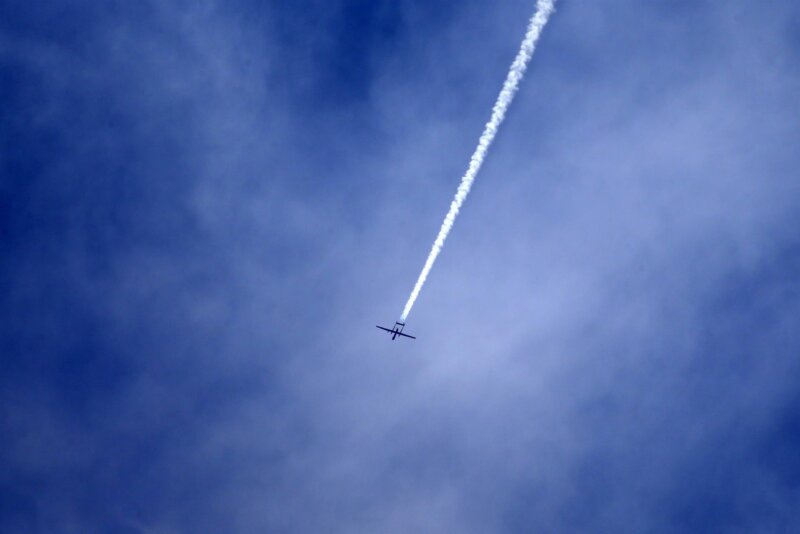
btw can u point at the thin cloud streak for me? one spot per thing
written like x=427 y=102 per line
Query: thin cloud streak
x=544 y=8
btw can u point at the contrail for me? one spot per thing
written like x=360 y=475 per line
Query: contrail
x=544 y=8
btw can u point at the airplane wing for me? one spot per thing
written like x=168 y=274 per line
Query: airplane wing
x=382 y=328
x=405 y=335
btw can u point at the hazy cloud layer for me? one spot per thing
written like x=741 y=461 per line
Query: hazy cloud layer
x=205 y=207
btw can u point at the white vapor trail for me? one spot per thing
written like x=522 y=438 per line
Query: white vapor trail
x=544 y=8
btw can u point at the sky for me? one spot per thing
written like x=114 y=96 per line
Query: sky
x=206 y=207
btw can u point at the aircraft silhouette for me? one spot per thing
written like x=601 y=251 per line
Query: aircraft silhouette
x=396 y=330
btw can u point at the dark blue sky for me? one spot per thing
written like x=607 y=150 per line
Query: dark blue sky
x=205 y=208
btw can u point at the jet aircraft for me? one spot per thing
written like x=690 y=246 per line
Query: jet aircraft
x=396 y=330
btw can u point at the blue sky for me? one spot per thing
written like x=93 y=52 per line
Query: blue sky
x=205 y=208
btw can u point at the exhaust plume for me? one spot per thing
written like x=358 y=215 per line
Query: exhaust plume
x=544 y=8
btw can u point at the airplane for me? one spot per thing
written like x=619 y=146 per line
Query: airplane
x=396 y=330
